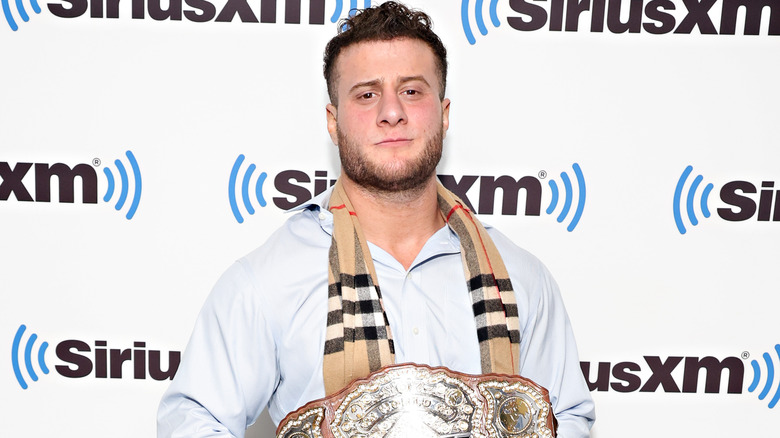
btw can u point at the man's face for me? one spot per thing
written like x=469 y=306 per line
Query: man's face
x=390 y=123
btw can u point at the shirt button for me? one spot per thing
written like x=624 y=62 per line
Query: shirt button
x=416 y=331
x=322 y=216
x=408 y=275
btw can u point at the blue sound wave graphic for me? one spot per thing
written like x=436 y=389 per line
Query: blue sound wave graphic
x=22 y=12
x=690 y=200
x=770 y=378
x=352 y=8
x=478 y=17
x=569 y=197
x=124 y=183
x=245 y=183
x=27 y=358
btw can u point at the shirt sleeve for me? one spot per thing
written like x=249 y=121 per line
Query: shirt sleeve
x=229 y=369
x=548 y=356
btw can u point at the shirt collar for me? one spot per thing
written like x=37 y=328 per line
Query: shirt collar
x=318 y=202
x=317 y=209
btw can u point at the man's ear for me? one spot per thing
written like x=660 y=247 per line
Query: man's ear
x=445 y=116
x=331 y=113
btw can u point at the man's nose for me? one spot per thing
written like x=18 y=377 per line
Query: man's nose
x=391 y=110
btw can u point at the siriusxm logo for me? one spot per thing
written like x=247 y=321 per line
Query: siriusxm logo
x=633 y=16
x=618 y=16
x=27 y=359
x=13 y=183
x=291 y=184
x=198 y=11
x=479 y=9
x=632 y=377
x=568 y=197
x=688 y=198
x=246 y=188
x=770 y=377
x=80 y=360
x=9 y=18
x=571 y=206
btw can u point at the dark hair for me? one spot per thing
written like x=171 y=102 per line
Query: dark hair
x=385 y=22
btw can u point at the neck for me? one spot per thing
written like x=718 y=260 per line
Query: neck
x=398 y=222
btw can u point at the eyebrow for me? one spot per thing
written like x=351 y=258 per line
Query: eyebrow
x=420 y=78
x=375 y=82
x=371 y=83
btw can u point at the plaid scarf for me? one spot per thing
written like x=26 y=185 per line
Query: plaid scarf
x=358 y=338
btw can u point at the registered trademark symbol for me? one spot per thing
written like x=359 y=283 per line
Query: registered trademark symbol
x=96 y=162
x=542 y=174
x=745 y=355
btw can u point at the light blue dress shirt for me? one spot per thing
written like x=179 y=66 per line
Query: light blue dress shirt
x=259 y=339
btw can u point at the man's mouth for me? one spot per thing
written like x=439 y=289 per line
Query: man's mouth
x=394 y=142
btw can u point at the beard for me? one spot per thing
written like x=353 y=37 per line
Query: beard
x=396 y=176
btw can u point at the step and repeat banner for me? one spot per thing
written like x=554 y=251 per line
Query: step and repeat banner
x=632 y=145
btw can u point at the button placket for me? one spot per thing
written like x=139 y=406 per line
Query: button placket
x=415 y=316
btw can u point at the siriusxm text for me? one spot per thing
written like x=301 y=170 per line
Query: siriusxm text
x=298 y=187
x=743 y=205
x=199 y=11
x=82 y=360
x=656 y=375
x=711 y=17
x=13 y=182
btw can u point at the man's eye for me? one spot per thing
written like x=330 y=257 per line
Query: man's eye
x=367 y=95
x=411 y=92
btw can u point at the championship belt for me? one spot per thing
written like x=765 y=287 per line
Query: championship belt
x=410 y=400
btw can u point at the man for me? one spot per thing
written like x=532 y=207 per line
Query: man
x=386 y=267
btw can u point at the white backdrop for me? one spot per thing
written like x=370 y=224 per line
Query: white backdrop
x=632 y=110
